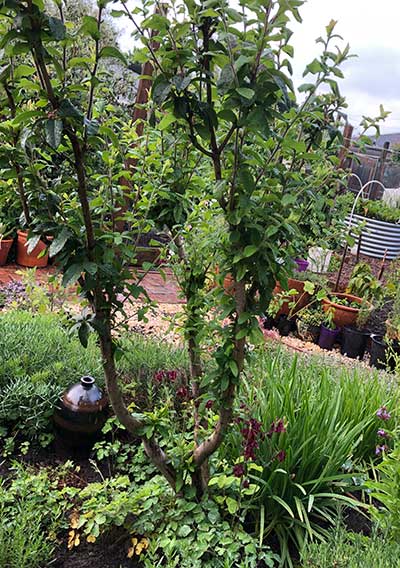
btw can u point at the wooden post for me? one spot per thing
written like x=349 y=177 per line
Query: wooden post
x=138 y=117
x=380 y=170
x=347 y=136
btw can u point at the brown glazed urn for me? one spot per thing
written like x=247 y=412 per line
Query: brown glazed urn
x=81 y=414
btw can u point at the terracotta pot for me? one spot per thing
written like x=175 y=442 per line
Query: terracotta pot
x=229 y=285
x=81 y=414
x=5 y=245
x=343 y=315
x=300 y=300
x=31 y=259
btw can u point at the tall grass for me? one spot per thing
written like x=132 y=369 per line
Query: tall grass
x=307 y=471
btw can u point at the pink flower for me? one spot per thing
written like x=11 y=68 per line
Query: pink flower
x=383 y=414
x=209 y=403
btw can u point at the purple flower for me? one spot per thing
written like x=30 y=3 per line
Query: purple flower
x=172 y=375
x=159 y=376
x=238 y=470
x=245 y=484
x=383 y=414
x=209 y=403
x=280 y=456
x=182 y=392
x=277 y=427
x=383 y=434
x=381 y=449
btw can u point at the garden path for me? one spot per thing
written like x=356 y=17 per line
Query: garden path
x=163 y=292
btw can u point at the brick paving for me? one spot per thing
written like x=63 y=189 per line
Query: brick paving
x=163 y=292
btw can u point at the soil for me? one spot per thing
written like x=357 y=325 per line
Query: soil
x=351 y=261
x=110 y=551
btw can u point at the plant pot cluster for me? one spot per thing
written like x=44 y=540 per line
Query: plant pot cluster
x=35 y=258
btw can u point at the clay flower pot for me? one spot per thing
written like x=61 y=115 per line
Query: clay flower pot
x=343 y=315
x=300 y=300
x=5 y=245
x=31 y=259
x=229 y=285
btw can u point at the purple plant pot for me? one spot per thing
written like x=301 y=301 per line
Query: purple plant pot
x=302 y=264
x=327 y=337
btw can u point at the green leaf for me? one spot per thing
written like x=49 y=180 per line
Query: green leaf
x=59 y=242
x=57 y=28
x=226 y=79
x=32 y=243
x=26 y=116
x=68 y=110
x=166 y=121
x=83 y=334
x=245 y=92
x=249 y=250
x=54 y=129
x=160 y=92
x=184 y=530
x=72 y=274
x=234 y=368
x=232 y=505
x=110 y=51
x=90 y=27
x=314 y=67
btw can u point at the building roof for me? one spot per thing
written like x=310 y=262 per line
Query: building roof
x=393 y=138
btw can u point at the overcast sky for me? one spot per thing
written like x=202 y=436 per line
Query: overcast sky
x=373 y=30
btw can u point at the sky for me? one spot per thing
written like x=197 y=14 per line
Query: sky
x=373 y=31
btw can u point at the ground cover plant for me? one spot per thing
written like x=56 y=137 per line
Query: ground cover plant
x=350 y=550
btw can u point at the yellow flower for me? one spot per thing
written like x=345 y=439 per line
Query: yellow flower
x=73 y=539
x=74 y=519
x=91 y=538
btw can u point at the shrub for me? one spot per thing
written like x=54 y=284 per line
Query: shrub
x=386 y=490
x=37 y=346
x=31 y=510
x=305 y=426
x=349 y=550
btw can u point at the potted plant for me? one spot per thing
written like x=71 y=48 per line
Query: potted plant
x=355 y=337
x=345 y=308
x=384 y=350
x=380 y=228
x=309 y=323
x=329 y=331
x=6 y=241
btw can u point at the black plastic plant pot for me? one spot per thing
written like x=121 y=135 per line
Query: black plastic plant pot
x=382 y=354
x=314 y=331
x=378 y=352
x=285 y=325
x=354 y=342
x=327 y=337
x=268 y=322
